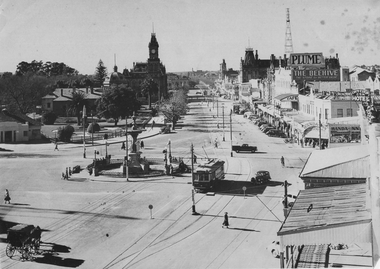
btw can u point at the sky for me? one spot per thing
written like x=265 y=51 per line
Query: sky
x=192 y=34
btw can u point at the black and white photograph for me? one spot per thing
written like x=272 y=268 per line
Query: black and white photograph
x=192 y=134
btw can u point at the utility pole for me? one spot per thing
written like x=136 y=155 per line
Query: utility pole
x=126 y=148
x=92 y=127
x=84 y=130
x=320 y=125
x=231 y=131
x=194 y=212
x=170 y=151
x=217 y=108
x=223 y=123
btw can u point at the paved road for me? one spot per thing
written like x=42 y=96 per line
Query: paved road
x=100 y=224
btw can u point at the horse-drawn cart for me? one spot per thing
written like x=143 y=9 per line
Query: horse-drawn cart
x=25 y=239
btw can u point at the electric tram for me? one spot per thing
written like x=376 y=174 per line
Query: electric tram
x=208 y=174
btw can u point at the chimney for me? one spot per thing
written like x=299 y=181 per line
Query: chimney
x=257 y=55
x=337 y=56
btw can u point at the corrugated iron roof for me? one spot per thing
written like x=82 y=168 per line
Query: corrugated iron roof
x=329 y=207
x=343 y=162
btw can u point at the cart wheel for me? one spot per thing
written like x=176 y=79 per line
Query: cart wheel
x=10 y=250
x=26 y=253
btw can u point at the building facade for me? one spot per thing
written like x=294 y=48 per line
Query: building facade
x=152 y=68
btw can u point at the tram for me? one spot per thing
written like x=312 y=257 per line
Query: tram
x=207 y=175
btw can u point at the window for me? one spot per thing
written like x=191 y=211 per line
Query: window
x=25 y=133
x=340 y=112
x=48 y=105
x=349 y=112
x=326 y=113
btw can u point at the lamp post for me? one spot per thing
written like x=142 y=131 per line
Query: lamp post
x=126 y=148
x=319 y=124
x=224 y=139
x=217 y=108
x=92 y=128
x=84 y=131
x=231 y=131
x=170 y=151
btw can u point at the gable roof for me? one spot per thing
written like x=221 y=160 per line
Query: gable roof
x=342 y=162
x=6 y=116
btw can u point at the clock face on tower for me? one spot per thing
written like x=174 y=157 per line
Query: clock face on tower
x=153 y=50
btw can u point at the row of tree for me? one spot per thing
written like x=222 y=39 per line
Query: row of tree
x=23 y=91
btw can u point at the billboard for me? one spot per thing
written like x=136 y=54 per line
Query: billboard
x=314 y=60
x=316 y=75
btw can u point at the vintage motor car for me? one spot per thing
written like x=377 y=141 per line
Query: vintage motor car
x=261 y=177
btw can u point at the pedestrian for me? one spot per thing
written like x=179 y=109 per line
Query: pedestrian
x=225 y=222
x=142 y=144
x=171 y=170
x=67 y=174
x=70 y=173
x=123 y=146
x=195 y=158
x=63 y=176
x=7 y=197
x=56 y=146
x=282 y=161
x=153 y=123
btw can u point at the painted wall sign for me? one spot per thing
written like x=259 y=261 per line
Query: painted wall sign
x=306 y=60
x=316 y=75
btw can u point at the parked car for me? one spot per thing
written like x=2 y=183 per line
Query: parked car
x=266 y=130
x=247 y=114
x=244 y=147
x=261 y=123
x=276 y=133
x=261 y=177
x=262 y=126
x=253 y=116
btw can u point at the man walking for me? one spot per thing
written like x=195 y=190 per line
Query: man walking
x=282 y=161
x=56 y=146
x=225 y=222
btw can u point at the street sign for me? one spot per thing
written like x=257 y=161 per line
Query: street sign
x=244 y=189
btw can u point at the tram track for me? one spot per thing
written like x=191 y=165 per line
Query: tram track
x=187 y=236
x=65 y=226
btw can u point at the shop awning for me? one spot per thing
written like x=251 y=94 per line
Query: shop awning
x=287 y=97
x=267 y=109
x=314 y=133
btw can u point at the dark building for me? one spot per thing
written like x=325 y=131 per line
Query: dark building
x=251 y=67
x=230 y=74
x=152 y=68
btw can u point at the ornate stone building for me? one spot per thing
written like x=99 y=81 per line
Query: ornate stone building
x=254 y=68
x=135 y=76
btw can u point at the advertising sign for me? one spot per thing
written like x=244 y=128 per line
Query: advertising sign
x=316 y=75
x=314 y=60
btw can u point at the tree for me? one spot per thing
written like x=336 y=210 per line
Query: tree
x=65 y=133
x=149 y=87
x=174 y=107
x=100 y=73
x=23 y=93
x=118 y=101
x=77 y=102
x=49 y=118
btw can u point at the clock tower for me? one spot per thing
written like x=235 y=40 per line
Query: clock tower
x=153 y=48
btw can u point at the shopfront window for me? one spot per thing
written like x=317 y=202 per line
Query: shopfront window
x=349 y=112
x=340 y=112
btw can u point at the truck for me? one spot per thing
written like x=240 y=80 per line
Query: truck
x=244 y=147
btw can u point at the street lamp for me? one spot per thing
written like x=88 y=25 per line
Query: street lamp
x=84 y=131
x=126 y=148
x=231 y=130
x=92 y=128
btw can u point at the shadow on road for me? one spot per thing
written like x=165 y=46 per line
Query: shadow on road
x=54 y=259
x=233 y=187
